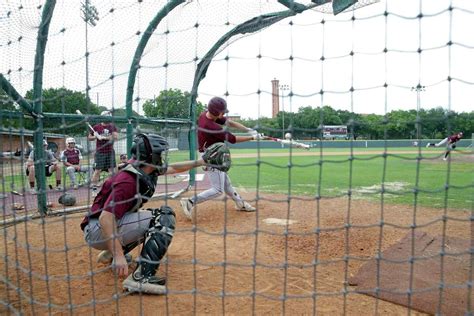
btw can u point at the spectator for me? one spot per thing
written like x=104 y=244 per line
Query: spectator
x=51 y=165
x=71 y=158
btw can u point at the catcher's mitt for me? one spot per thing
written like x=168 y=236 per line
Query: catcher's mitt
x=67 y=199
x=218 y=156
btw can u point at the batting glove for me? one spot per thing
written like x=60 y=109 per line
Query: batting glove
x=252 y=132
x=99 y=137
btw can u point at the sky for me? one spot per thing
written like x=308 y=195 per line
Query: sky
x=290 y=52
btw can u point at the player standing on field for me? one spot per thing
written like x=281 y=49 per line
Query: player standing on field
x=211 y=131
x=105 y=134
x=116 y=224
x=451 y=140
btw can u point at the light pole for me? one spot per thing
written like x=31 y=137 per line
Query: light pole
x=419 y=88
x=90 y=15
x=283 y=88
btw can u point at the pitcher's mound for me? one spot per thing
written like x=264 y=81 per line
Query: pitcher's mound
x=424 y=277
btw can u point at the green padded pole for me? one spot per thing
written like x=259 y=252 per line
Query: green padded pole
x=136 y=65
x=38 y=103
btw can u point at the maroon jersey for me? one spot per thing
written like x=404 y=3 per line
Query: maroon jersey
x=105 y=146
x=211 y=132
x=454 y=138
x=73 y=156
x=120 y=188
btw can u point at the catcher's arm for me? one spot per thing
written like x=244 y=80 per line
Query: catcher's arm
x=182 y=166
x=289 y=142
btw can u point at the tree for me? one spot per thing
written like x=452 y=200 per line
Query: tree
x=171 y=103
x=62 y=100
x=7 y=104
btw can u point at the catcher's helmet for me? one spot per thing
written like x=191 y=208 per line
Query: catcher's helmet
x=67 y=199
x=70 y=140
x=217 y=106
x=150 y=149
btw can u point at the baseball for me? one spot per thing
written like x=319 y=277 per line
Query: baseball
x=288 y=135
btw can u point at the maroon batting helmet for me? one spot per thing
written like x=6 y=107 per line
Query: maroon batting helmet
x=217 y=106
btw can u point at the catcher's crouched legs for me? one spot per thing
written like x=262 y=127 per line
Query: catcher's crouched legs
x=157 y=241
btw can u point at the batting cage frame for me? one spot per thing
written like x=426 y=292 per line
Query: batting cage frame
x=348 y=212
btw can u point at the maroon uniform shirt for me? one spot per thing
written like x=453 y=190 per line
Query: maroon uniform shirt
x=105 y=146
x=71 y=155
x=453 y=138
x=120 y=189
x=211 y=132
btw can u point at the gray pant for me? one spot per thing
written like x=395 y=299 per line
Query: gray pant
x=220 y=183
x=71 y=171
x=444 y=141
x=132 y=227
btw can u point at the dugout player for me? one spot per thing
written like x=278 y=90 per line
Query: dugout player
x=71 y=158
x=51 y=166
x=210 y=131
x=105 y=133
x=451 y=143
x=116 y=224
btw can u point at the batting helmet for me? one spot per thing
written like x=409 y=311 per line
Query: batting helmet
x=150 y=149
x=217 y=106
x=67 y=199
x=70 y=140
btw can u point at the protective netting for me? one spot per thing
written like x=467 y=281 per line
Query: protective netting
x=365 y=89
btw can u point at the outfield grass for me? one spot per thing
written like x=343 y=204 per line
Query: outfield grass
x=336 y=175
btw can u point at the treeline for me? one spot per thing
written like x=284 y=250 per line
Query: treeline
x=308 y=123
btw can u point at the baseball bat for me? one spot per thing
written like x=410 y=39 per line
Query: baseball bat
x=17 y=193
x=80 y=113
x=288 y=142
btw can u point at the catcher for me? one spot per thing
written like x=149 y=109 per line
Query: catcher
x=210 y=132
x=451 y=143
x=116 y=224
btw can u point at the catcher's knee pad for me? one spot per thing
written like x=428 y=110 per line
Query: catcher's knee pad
x=158 y=239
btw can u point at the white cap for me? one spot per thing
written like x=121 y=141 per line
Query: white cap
x=70 y=140
x=106 y=113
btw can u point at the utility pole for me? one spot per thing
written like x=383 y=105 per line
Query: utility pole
x=90 y=15
x=419 y=88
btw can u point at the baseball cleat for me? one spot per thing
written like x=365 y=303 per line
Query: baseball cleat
x=136 y=283
x=245 y=207
x=187 y=207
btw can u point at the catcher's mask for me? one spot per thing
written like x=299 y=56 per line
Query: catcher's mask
x=151 y=149
x=217 y=106
x=67 y=199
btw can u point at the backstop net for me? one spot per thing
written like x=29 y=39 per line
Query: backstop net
x=371 y=218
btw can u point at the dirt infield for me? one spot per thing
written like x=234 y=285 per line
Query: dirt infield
x=230 y=262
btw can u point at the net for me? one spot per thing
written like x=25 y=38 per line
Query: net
x=365 y=85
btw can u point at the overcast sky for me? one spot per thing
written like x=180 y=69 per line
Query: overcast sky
x=113 y=41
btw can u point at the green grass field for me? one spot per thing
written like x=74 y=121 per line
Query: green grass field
x=335 y=175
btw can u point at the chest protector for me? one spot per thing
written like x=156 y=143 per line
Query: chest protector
x=146 y=183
